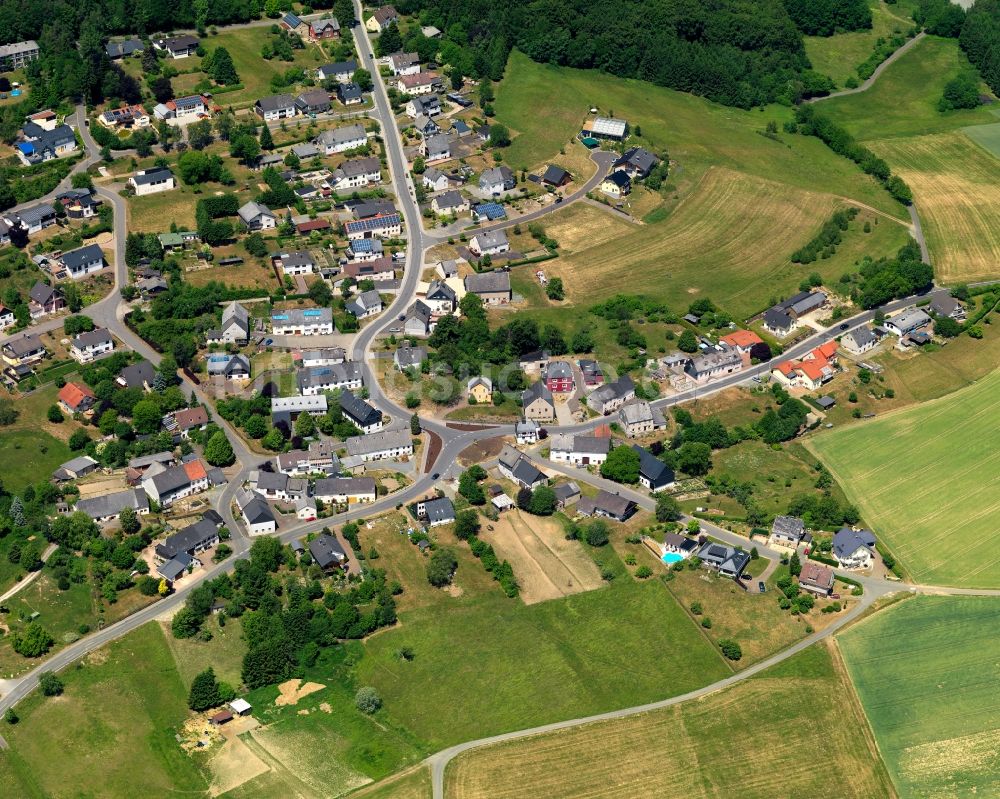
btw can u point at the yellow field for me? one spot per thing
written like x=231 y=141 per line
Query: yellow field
x=747 y=741
x=956 y=185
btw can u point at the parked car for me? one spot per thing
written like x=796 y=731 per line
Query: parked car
x=761 y=587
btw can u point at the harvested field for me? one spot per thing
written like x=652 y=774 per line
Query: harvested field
x=291 y=691
x=957 y=192
x=233 y=765
x=546 y=565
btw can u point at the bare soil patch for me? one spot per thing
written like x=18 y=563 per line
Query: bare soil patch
x=484 y=450
x=291 y=691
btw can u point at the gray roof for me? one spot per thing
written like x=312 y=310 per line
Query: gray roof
x=652 y=468
x=536 y=391
x=136 y=375
x=149 y=460
x=364 y=302
x=909 y=320
x=410 y=356
x=361 y=166
x=151 y=176
x=777 y=319
x=358 y=410
x=378 y=442
x=439 y=510
x=92 y=338
x=613 y=504
x=36 y=213
x=301 y=316
x=251 y=210
x=333 y=486
x=188 y=539
x=24 y=345
x=847 y=541
x=862 y=336
x=327 y=551
x=944 y=305
x=235 y=314
x=338 y=374
x=566 y=491
x=83 y=256
x=638 y=158
x=174 y=567
x=232 y=363
x=560 y=369
x=339 y=68
x=724 y=557
x=112 y=504
x=489 y=239
x=341 y=135
x=79 y=463
x=450 y=199
x=788 y=526
x=254 y=508
x=636 y=412
x=171 y=479
x=275 y=102
x=43 y=294
x=488 y=282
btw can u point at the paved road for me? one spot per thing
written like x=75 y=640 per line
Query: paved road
x=876 y=74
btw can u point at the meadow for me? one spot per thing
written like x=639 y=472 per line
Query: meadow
x=925 y=479
x=923 y=672
x=689 y=751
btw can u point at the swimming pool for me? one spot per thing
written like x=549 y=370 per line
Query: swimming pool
x=672 y=557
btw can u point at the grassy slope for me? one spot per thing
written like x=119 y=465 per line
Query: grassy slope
x=923 y=670
x=111 y=734
x=935 y=510
x=689 y=751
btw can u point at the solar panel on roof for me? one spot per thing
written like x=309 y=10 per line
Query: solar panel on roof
x=312 y=313
x=279 y=316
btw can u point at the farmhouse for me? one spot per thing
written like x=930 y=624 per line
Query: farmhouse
x=176 y=482
x=639 y=417
x=654 y=474
x=278 y=485
x=860 y=340
x=854 y=549
x=566 y=493
x=493 y=288
x=514 y=466
x=784 y=317
x=726 y=560
x=345 y=490
x=579 y=450
x=367 y=418
x=318 y=458
x=302 y=322
x=538 y=404
x=436 y=511
x=606 y=504
x=75 y=468
x=92 y=345
x=380 y=446
x=327 y=552
x=714 y=362
x=816 y=578
x=611 y=396
x=191 y=541
x=106 y=507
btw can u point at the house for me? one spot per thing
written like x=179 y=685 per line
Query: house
x=179 y=240
x=292 y=23
x=278 y=485
x=356 y=172
x=639 y=417
x=816 y=578
x=340 y=140
x=80 y=203
x=151 y=181
x=425 y=126
x=636 y=162
x=350 y=94
x=194 y=105
x=654 y=474
x=743 y=341
x=480 y=390
x=497 y=180
x=229 y=367
x=782 y=318
x=297 y=262
x=191 y=540
x=125 y=49
x=75 y=468
x=340 y=71
x=188 y=419
x=235 y=327
x=382 y=19
x=427 y=105
x=7 y=317
x=860 y=340
x=177 y=46
x=76 y=398
x=277 y=106
x=305 y=228
x=579 y=450
x=777 y=321
x=364 y=249
x=678 y=545
x=449 y=202
x=787 y=531
x=907 y=322
x=489 y=242
x=488 y=212
x=526 y=432
x=946 y=305
x=17 y=55
x=617 y=185
x=379 y=269
x=345 y=490
x=605 y=128
x=559 y=378
x=407 y=357
x=176 y=482
x=240 y=707
x=417 y=320
x=27 y=349
x=363 y=415
x=611 y=396
x=381 y=446
x=516 y=467
x=538 y=404
x=315 y=380
x=813 y=370
x=46 y=120
x=436 y=511
x=441 y=298
x=33 y=219
x=106 y=507
x=435 y=180
x=371 y=208
x=325 y=356
x=284 y=410
x=420 y=83
x=83 y=261
x=436 y=148
x=302 y=322
x=367 y=303
x=327 y=552
x=39 y=145
x=446 y=269
x=713 y=363
x=92 y=345
x=126 y=117
x=404 y=64
x=257 y=514
x=608 y=505
x=726 y=560
x=381 y=226
x=314 y=101
x=324 y=29
x=555 y=176
x=566 y=493
x=854 y=549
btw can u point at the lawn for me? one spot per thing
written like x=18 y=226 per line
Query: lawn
x=926 y=481
x=153 y=213
x=696 y=133
x=30 y=456
x=955 y=185
x=110 y=734
x=493 y=664
x=903 y=101
x=224 y=652
x=751 y=740
x=923 y=671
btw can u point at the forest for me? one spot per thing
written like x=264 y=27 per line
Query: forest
x=979 y=37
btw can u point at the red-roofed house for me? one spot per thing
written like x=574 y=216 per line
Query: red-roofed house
x=816 y=368
x=743 y=340
x=76 y=398
x=313 y=224
x=195 y=470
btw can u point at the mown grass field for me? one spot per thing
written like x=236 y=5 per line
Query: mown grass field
x=903 y=101
x=691 y=750
x=410 y=785
x=955 y=184
x=926 y=480
x=923 y=670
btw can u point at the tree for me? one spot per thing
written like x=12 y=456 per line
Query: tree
x=583 y=341
x=469 y=488
x=199 y=135
x=466 y=524
x=34 y=642
x=524 y=499
x=688 y=342
x=305 y=425
x=960 y=92
x=266 y=140
x=667 y=508
x=367 y=700
x=343 y=10
x=415 y=428
x=245 y=147
x=204 y=692
x=730 y=649
x=78 y=440
x=543 y=501
x=273 y=441
x=621 y=465
x=499 y=136
x=50 y=684
x=254 y=244
x=389 y=41
x=186 y=623
x=222 y=69
x=255 y=427
x=441 y=567
x=596 y=533
x=554 y=289
x=363 y=78
x=129 y=521
x=794 y=565
x=694 y=458
x=10 y=716
x=161 y=89
x=55 y=415
x=16 y=512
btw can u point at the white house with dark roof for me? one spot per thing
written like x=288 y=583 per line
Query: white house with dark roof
x=340 y=140
x=296 y=262
x=579 y=450
x=516 y=467
x=381 y=446
x=345 y=490
x=275 y=107
x=859 y=340
x=611 y=396
x=256 y=216
x=106 y=507
x=367 y=303
x=91 y=345
x=636 y=162
x=437 y=511
x=178 y=46
x=854 y=549
x=340 y=71
x=489 y=242
x=787 y=531
x=151 y=181
x=235 y=327
x=366 y=418
x=907 y=322
x=407 y=357
x=83 y=261
x=302 y=322
x=315 y=380
x=638 y=417
x=493 y=288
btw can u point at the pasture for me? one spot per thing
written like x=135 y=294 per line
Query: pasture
x=691 y=751
x=923 y=670
x=955 y=186
x=926 y=480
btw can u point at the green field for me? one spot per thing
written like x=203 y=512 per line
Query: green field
x=903 y=101
x=794 y=730
x=926 y=481
x=29 y=456
x=923 y=670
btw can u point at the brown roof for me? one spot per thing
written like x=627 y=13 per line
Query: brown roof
x=816 y=574
x=313 y=224
x=191 y=417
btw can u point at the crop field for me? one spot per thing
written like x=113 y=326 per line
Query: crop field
x=926 y=480
x=688 y=751
x=409 y=785
x=923 y=671
x=955 y=184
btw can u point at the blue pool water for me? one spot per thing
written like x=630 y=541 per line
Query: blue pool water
x=672 y=557
x=15 y=93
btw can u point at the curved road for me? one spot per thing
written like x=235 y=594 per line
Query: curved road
x=876 y=74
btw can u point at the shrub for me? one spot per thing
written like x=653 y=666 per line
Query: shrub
x=367 y=700
x=706 y=623
x=643 y=572
x=50 y=684
x=696 y=608
x=730 y=649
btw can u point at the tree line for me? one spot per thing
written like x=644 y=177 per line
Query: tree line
x=827 y=17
